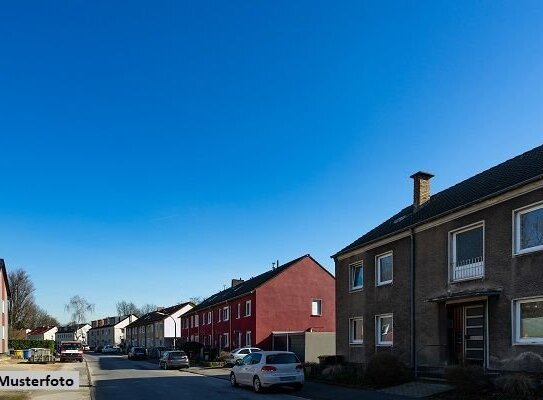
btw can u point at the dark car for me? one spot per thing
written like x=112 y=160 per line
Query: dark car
x=156 y=352
x=137 y=353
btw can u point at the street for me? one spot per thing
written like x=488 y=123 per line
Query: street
x=116 y=377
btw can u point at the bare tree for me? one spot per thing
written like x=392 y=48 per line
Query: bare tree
x=78 y=307
x=22 y=299
x=147 y=308
x=42 y=318
x=127 y=308
x=196 y=300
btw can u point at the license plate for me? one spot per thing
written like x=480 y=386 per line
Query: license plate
x=287 y=378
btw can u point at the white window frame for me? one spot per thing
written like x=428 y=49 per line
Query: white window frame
x=196 y=320
x=352 y=340
x=378 y=281
x=378 y=319
x=516 y=229
x=248 y=339
x=209 y=317
x=452 y=251
x=352 y=269
x=517 y=340
x=219 y=312
x=248 y=308
x=226 y=314
x=319 y=307
x=226 y=337
x=239 y=310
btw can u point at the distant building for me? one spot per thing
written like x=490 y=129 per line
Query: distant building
x=5 y=296
x=42 y=333
x=109 y=330
x=157 y=328
x=72 y=332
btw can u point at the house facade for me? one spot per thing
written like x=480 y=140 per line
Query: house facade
x=109 y=330
x=5 y=295
x=42 y=333
x=454 y=278
x=288 y=300
x=158 y=328
x=72 y=332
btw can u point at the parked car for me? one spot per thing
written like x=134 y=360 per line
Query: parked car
x=156 y=352
x=239 y=353
x=86 y=347
x=111 y=349
x=268 y=368
x=98 y=349
x=174 y=359
x=137 y=353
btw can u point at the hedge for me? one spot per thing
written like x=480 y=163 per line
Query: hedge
x=23 y=344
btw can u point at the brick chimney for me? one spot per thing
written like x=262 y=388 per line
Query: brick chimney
x=421 y=188
x=236 y=282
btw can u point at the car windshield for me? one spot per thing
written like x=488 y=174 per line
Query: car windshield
x=282 y=358
x=177 y=354
x=71 y=346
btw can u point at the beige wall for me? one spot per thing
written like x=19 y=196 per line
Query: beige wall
x=319 y=344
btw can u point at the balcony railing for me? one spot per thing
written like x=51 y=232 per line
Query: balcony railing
x=467 y=269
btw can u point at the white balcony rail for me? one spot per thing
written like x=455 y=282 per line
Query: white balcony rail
x=467 y=269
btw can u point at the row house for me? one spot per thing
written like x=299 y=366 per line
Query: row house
x=42 y=333
x=270 y=311
x=109 y=330
x=5 y=295
x=72 y=332
x=454 y=278
x=158 y=328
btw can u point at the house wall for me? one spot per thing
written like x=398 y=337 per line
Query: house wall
x=4 y=328
x=319 y=344
x=284 y=302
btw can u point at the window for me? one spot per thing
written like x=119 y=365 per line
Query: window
x=239 y=339
x=384 y=269
x=248 y=338
x=528 y=229
x=356 y=330
x=196 y=320
x=209 y=317
x=529 y=321
x=467 y=253
x=384 y=328
x=357 y=276
x=219 y=315
x=248 y=308
x=239 y=310
x=203 y=318
x=226 y=313
x=191 y=321
x=316 y=307
x=225 y=340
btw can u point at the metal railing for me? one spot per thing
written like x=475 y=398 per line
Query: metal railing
x=467 y=269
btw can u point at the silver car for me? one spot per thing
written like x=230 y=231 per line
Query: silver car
x=268 y=368
x=239 y=353
x=174 y=359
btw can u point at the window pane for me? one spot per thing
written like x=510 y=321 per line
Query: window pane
x=356 y=330
x=357 y=276
x=531 y=229
x=316 y=307
x=531 y=320
x=469 y=246
x=386 y=329
x=385 y=268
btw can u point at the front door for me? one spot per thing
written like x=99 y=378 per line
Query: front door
x=467 y=334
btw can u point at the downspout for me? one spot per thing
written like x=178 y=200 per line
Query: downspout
x=412 y=287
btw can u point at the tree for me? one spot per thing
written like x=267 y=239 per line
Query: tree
x=42 y=318
x=79 y=307
x=22 y=299
x=196 y=300
x=147 y=308
x=127 y=308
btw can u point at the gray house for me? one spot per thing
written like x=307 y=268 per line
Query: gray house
x=454 y=278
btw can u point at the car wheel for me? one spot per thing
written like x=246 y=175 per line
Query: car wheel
x=257 y=385
x=233 y=381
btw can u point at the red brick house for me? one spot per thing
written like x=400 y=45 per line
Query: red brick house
x=291 y=299
x=4 y=305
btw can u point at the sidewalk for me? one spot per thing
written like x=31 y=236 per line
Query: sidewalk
x=311 y=390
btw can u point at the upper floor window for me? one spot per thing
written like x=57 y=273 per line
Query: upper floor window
x=357 y=275
x=239 y=310
x=248 y=308
x=384 y=268
x=528 y=320
x=528 y=229
x=384 y=326
x=196 y=320
x=209 y=317
x=219 y=315
x=356 y=335
x=316 y=307
x=467 y=253
x=226 y=313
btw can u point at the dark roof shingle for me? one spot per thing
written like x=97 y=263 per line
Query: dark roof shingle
x=155 y=316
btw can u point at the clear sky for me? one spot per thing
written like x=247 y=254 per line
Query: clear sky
x=152 y=151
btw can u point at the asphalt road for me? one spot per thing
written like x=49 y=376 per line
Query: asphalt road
x=116 y=377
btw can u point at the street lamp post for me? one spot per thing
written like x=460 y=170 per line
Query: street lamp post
x=174 y=327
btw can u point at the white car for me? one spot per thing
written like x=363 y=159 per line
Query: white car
x=110 y=349
x=268 y=368
x=239 y=353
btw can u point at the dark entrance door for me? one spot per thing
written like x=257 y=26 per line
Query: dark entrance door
x=467 y=333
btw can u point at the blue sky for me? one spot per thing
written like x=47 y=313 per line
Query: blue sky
x=152 y=151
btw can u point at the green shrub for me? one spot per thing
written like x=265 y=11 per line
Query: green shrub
x=386 y=369
x=467 y=379
x=517 y=386
x=23 y=344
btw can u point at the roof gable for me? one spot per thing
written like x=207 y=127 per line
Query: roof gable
x=518 y=171
x=155 y=316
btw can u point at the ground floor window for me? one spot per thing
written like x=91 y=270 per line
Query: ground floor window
x=384 y=327
x=529 y=320
x=248 y=338
x=356 y=329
